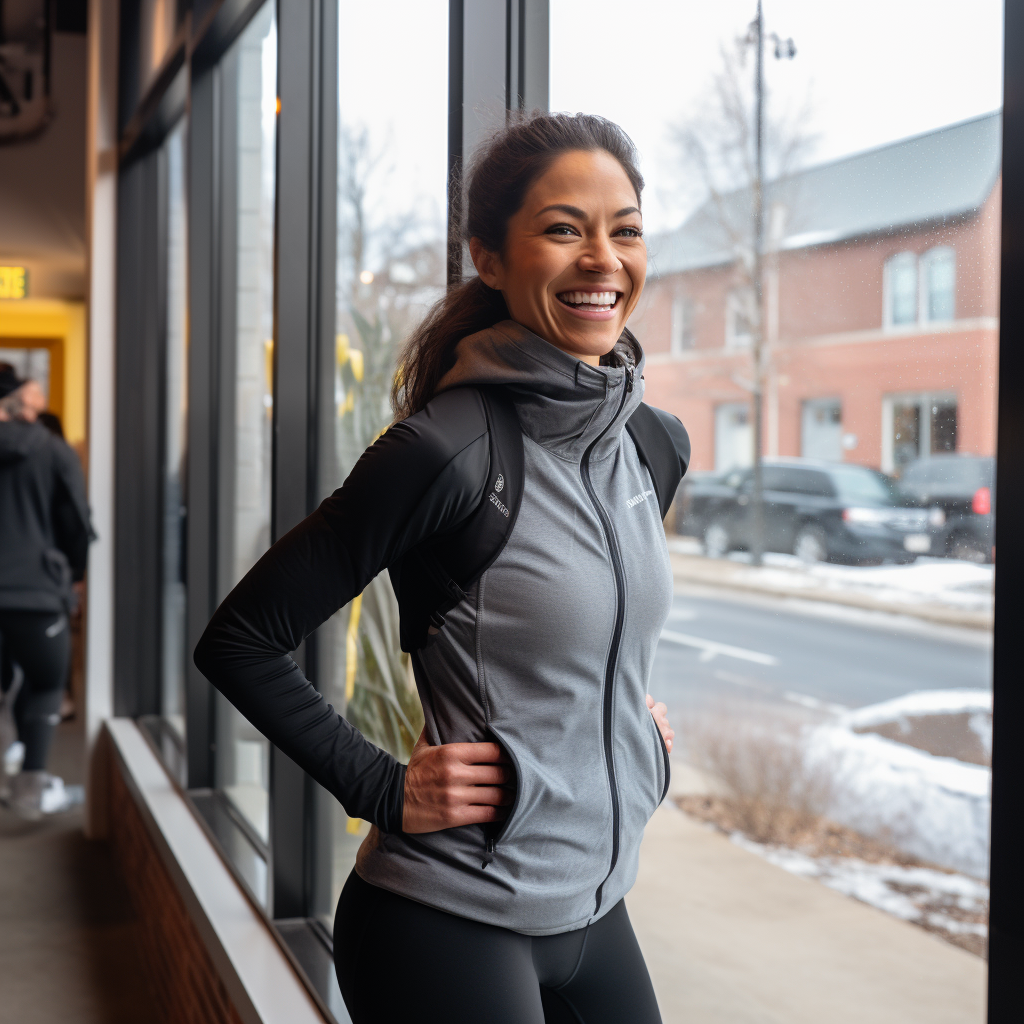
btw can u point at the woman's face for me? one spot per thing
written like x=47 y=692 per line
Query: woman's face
x=575 y=260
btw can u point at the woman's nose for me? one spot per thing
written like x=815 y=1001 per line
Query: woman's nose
x=600 y=258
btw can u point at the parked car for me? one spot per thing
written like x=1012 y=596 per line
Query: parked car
x=819 y=511
x=959 y=492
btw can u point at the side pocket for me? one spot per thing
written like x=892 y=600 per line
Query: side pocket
x=495 y=835
x=664 y=755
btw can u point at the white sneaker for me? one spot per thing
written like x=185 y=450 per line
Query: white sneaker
x=37 y=793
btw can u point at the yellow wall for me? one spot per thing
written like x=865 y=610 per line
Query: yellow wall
x=51 y=318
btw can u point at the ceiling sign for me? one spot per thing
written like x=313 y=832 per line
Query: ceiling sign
x=13 y=283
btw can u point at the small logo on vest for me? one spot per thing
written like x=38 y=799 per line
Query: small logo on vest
x=493 y=499
x=499 y=483
x=638 y=498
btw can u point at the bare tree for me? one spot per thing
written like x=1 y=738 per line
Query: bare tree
x=741 y=152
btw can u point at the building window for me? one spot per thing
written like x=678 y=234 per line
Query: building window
x=901 y=290
x=916 y=426
x=682 y=325
x=739 y=318
x=938 y=284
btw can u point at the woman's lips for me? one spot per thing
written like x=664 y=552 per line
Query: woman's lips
x=591 y=305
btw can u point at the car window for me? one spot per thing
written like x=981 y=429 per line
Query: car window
x=858 y=483
x=952 y=476
x=797 y=480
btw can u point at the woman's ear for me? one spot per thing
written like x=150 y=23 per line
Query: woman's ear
x=488 y=264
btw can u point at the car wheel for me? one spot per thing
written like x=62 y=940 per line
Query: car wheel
x=716 y=540
x=967 y=549
x=810 y=545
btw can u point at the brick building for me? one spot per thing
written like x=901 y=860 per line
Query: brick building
x=881 y=308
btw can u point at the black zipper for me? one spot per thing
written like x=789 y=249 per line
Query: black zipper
x=498 y=834
x=613 y=651
x=665 y=758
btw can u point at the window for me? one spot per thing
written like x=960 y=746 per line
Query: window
x=243 y=755
x=173 y=642
x=739 y=319
x=391 y=252
x=939 y=286
x=902 y=292
x=917 y=426
x=866 y=367
x=682 y=325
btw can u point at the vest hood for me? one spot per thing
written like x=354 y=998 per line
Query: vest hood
x=563 y=403
x=19 y=439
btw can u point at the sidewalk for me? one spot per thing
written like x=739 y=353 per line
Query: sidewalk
x=937 y=590
x=731 y=939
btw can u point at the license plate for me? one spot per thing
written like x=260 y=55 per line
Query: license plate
x=919 y=543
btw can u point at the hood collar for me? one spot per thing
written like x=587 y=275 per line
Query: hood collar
x=18 y=439
x=563 y=403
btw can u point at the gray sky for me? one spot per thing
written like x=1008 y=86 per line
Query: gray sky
x=876 y=70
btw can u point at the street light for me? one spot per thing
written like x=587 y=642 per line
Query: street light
x=784 y=49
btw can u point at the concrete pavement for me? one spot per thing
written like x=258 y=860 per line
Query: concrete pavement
x=732 y=939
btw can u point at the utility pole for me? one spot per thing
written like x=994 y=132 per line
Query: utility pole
x=757 y=341
x=783 y=48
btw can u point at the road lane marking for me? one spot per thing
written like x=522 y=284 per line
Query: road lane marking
x=711 y=649
x=814 y=704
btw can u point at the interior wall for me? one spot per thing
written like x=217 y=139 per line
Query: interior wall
x=42 y=186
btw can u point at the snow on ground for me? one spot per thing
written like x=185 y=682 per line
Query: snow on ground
x=936 y=808
x=923 y=896
x=962 y=585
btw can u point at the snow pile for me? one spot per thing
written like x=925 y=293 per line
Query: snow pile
x=944 y=581
x=935 y=808
x=933 y=899
x=963 y=585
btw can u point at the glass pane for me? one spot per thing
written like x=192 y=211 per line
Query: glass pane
x=243 y=761
x=903 y=286
x=941 y=284
x=821 y=696
x=392 y=194
x=175 y=433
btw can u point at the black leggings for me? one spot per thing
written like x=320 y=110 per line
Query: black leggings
x=40 y=642
x=398 y=960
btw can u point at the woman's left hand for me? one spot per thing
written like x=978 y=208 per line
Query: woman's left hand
x=660 y=713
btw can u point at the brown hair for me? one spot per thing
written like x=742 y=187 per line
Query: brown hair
x=500 y=177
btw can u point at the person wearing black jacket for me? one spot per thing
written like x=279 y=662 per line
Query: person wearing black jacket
x=44 y=540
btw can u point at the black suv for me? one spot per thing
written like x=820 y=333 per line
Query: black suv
x=959 y=491
x=819 y=511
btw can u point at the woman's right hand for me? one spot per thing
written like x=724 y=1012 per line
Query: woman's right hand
x=455 y=784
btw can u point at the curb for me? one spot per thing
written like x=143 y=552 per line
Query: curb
x=691 y=569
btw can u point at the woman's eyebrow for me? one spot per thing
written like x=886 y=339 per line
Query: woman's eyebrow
x=575 y=211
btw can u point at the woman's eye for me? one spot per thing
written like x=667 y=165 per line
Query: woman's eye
x=562 y=229
x=631 y=232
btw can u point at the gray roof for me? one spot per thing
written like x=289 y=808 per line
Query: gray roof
x=928 y=178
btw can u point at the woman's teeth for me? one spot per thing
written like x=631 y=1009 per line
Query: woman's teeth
x=595 y=301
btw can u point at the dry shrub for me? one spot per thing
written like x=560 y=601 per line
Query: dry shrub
x=775 y=790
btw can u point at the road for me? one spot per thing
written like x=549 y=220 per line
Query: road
x=720 y=648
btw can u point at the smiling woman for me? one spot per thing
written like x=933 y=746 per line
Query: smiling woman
x=499 y=857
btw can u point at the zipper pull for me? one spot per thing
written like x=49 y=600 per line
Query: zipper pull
x=488 y=853
x=629 y=379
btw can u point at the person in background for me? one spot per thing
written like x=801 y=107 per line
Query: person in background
x=45 y=533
